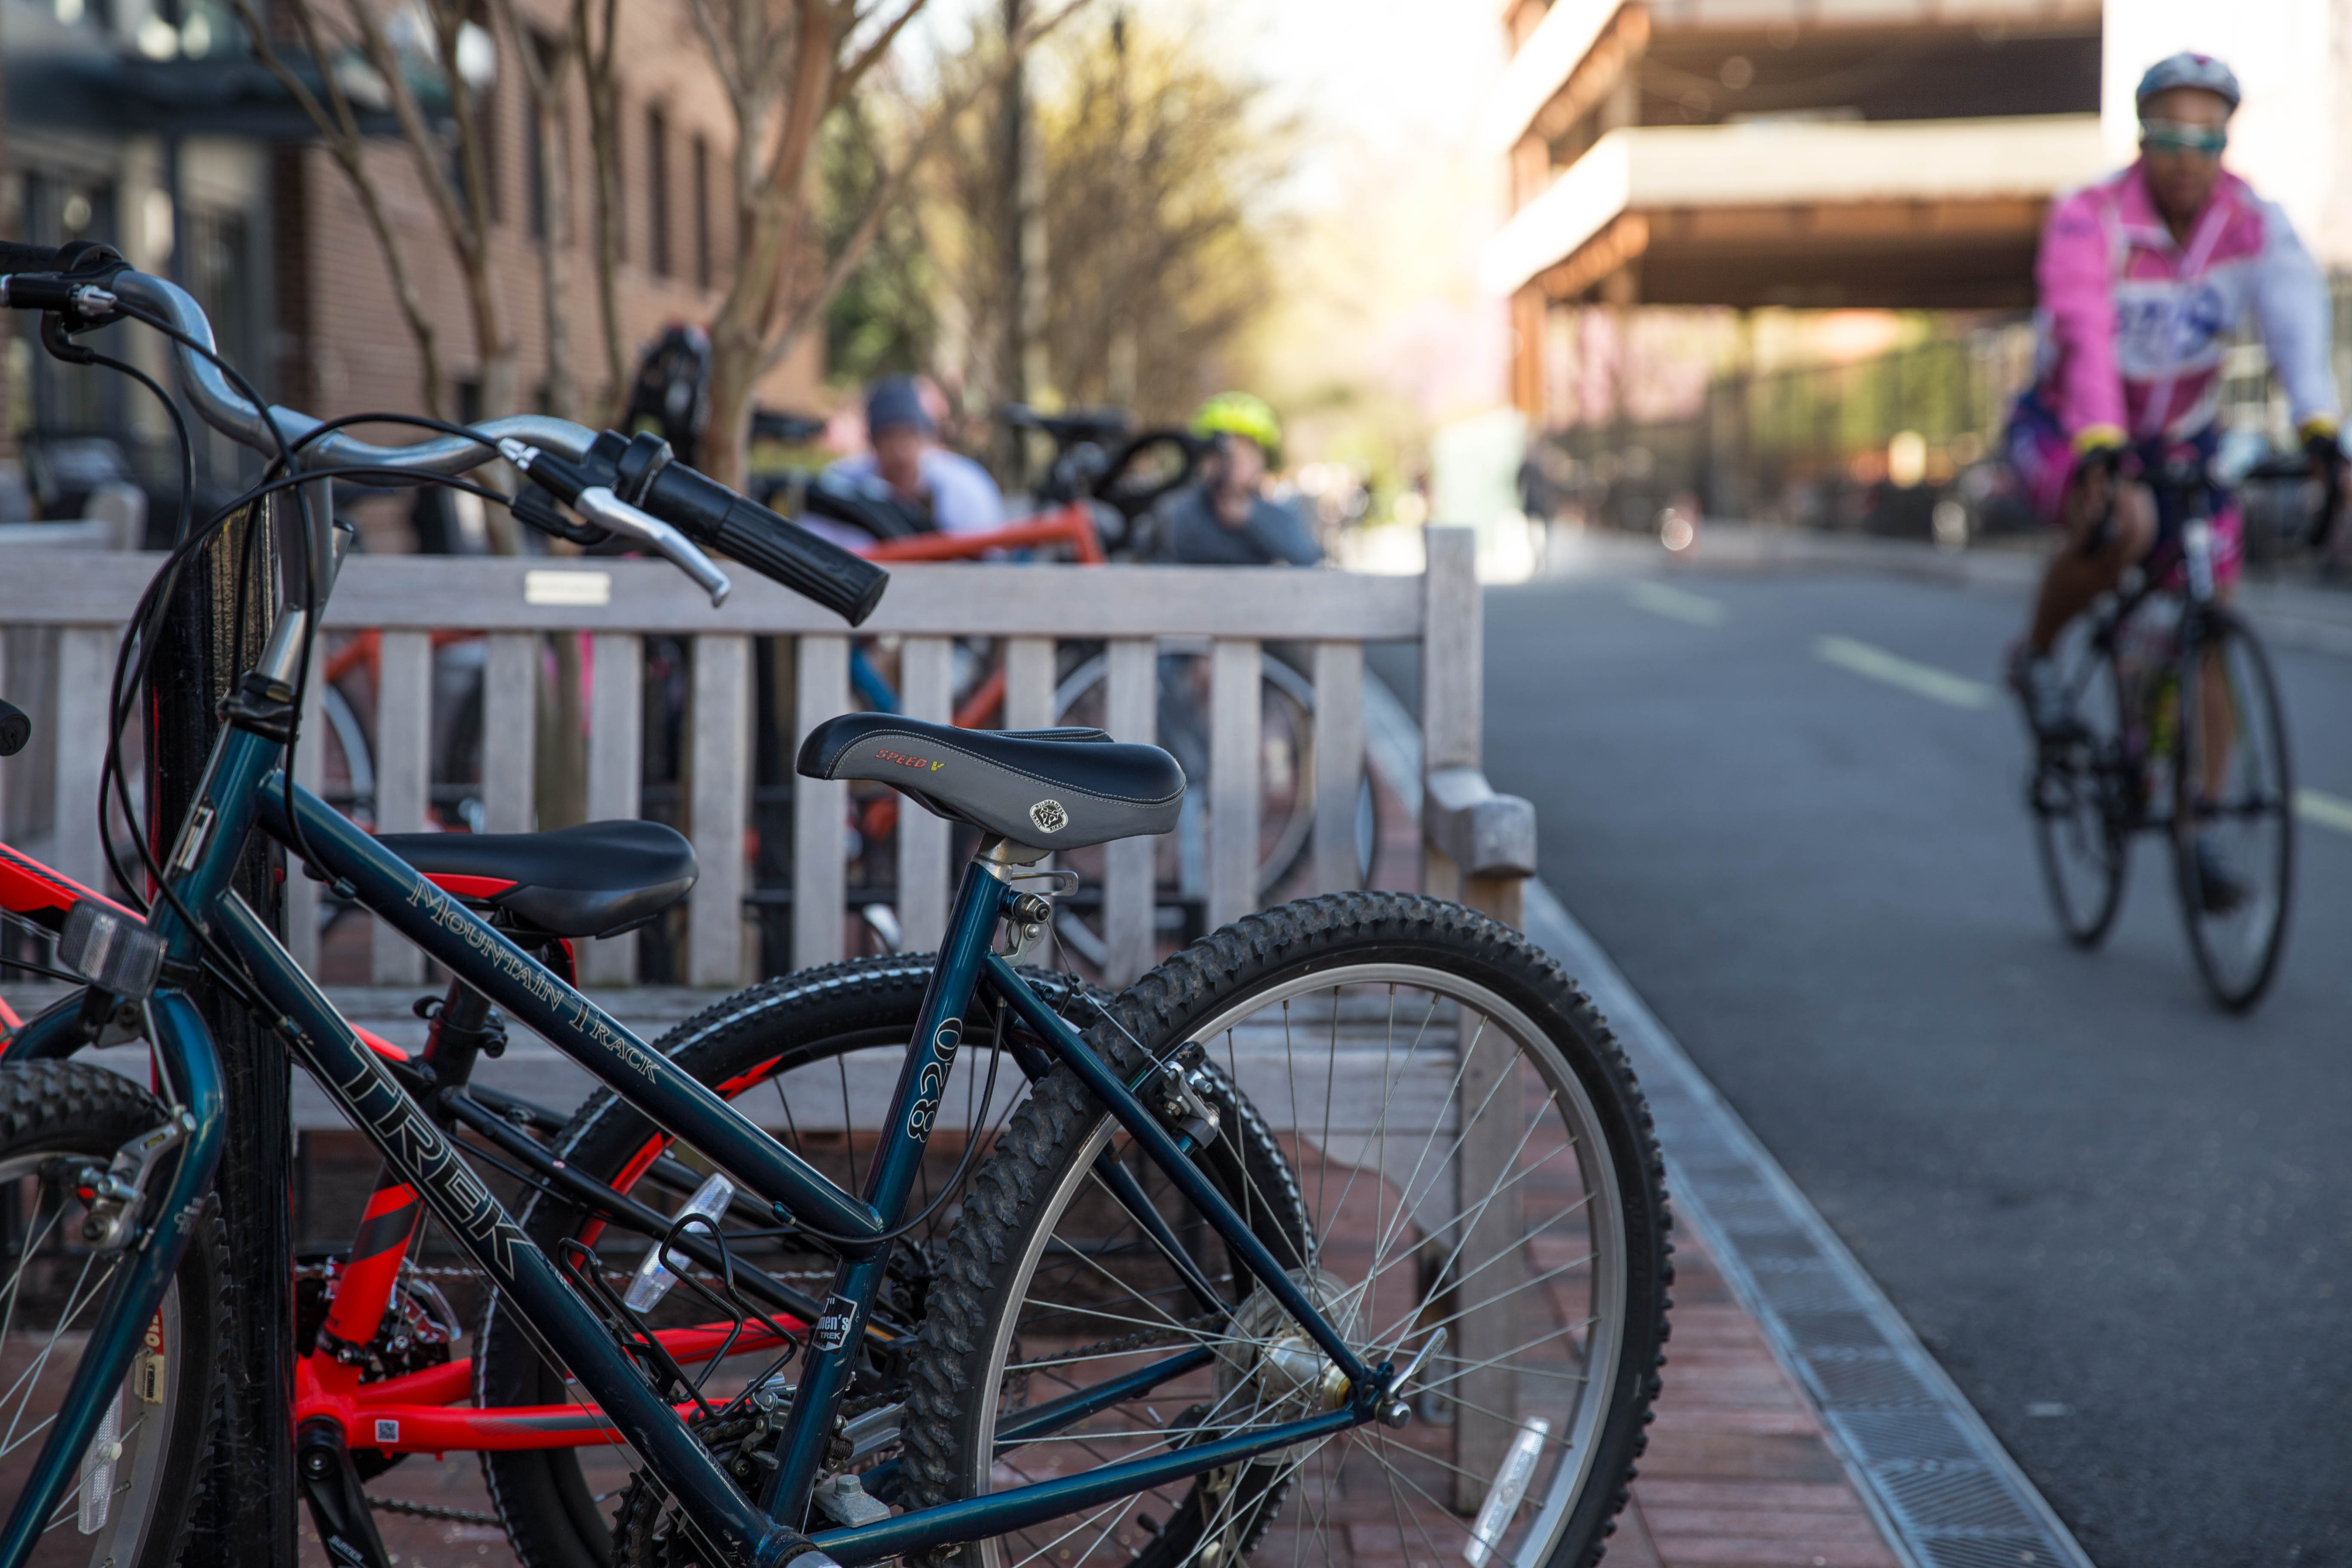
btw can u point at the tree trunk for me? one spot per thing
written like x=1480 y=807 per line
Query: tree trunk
x=554 y=218
x=734 y=378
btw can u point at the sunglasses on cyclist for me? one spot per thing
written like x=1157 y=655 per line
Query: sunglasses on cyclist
x=2171 y=136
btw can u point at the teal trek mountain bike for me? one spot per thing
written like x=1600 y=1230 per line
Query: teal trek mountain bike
x=1341 y=1233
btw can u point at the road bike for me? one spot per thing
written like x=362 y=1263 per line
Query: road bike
x=1143 y=1335
x=2178 y=730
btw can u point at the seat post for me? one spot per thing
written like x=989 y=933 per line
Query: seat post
x=461 y=1027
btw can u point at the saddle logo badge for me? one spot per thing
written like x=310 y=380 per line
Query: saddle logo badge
x=1049 y=817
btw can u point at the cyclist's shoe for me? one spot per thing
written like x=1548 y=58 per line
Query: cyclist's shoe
x=2220 y=888
x=2041 y=688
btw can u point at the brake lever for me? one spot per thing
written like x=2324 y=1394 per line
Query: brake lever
x=599 y=506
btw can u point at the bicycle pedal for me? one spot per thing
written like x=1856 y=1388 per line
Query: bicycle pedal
x=843 y=1499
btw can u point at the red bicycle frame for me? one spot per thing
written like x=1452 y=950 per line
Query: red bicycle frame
x=1071 y=525
x=428 y=1411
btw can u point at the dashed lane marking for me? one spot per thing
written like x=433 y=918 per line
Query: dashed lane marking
x=1675 y=605
x=1920 y=679
x=2326 y=810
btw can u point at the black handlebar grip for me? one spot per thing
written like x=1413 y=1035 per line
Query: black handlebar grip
x=14 y=729
x=710 y=514
x=15 y=258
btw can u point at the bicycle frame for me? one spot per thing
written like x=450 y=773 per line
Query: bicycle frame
x=244 y=789
x=1072 y=525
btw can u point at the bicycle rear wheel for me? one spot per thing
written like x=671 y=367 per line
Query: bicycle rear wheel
x=811 y=1057
x=2238 y=793
x=1483 y=1193
x=2079 y=796
x=139 y=1476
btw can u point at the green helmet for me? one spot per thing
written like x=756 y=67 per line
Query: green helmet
x=1239 y=413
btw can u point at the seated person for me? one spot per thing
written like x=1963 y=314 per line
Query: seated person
x=1225 y=518
x=934 y=489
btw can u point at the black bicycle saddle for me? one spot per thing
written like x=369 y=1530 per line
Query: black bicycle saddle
x=1059 y=789
x=596 y=880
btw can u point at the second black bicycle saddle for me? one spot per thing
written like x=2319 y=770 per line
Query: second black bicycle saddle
x=596 y=880
x=1058 y=789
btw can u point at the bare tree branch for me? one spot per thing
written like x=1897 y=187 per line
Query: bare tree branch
x=410 y=117
x=888 y=192
x=338 y=127
x=845 y=83
x=605 y=158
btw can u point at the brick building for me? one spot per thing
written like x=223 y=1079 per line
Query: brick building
x=146 y=124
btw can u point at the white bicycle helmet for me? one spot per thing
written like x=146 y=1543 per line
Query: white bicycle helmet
x=2190 y=69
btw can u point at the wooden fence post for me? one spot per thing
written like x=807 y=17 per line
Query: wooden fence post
x=925 y=679
x=404 y=774
x=617 y=723
x=820 y=807
x=1131 y=713
x=720 y=797
x=509 y=731
x=1236 y=730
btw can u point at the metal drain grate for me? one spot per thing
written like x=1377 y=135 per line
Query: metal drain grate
x=1865 y=1380
x=1902 y=1436
x=1946 y=1493
x=1980 y=1552
x=1952 y=1498
x=1842 y=1329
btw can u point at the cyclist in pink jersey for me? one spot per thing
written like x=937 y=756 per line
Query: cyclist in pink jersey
x=2143 y=278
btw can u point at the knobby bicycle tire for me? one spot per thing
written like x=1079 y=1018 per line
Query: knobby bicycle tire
x=988 y=1343
x=553 y=1515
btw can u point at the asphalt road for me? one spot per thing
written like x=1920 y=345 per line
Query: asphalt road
x=2120 y=1218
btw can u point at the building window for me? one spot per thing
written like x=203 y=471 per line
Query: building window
x=701 y=172
x=657 y=246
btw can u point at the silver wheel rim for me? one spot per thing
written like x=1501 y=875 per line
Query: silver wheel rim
x=38 y=1362
x=1565 y=1455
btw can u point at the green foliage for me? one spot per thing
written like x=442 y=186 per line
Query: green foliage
x=1156 y=161
x=885 y=319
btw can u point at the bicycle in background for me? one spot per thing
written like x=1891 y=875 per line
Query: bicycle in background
x=2177 y=731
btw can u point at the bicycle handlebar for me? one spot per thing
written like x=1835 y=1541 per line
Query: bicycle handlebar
x=673 y=512
x=783 y=551
x=232 y=415
x=15 y=258
x=642 y=474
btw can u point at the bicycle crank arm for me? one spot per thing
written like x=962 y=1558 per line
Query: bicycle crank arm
x=339 y=1506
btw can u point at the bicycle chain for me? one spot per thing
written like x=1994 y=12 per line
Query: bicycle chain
x=433 y=1510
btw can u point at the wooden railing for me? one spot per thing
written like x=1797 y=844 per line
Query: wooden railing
x=1478 y=845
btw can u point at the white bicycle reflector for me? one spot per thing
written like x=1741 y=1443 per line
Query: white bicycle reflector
x=1510 y=1486
x=654 y=1280
x=98 y=1462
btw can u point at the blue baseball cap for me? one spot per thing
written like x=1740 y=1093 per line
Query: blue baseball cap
x=895 y=402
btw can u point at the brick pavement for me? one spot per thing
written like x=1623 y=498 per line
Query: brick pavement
x=1739 y=1473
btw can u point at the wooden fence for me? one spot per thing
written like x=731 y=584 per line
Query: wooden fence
x=66 y=607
